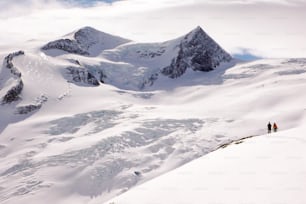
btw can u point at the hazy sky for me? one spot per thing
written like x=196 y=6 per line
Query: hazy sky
x=268 y=28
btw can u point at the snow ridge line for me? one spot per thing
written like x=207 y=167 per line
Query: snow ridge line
x=238 y=141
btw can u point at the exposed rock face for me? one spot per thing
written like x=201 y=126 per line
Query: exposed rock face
x=67 y=45
x=32 y=107
x=81 y=75
x=13 y=94
x=27 y=109
x=178 y=65
x=198 y=52
x=149 y=81
x=8 y=63
x=151 y=53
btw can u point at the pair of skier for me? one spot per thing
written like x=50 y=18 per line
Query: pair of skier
x=270 y=127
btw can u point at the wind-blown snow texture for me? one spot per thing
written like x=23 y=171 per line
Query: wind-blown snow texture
x=91 y=127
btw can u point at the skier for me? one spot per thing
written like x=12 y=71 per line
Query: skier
x=275 y=127
x=269 y=127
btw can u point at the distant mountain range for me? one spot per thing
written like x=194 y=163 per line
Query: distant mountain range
x=88 y=57
x=123 y=58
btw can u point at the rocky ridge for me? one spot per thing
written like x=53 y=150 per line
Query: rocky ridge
x=13 y=94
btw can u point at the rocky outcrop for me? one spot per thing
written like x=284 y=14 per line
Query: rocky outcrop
x=149 y=81
x=32 y=107
x=178 y=65
x=27 y=109
x=151 y=53
x=8 y=63
x=198 y=52
x=67 y=45
x=13 y=94
x=81 y=75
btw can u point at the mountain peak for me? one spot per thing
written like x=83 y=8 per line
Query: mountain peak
x=198 y=31
x=86 y=41
x=88 y=28
x=199 y=52
x=89 y=31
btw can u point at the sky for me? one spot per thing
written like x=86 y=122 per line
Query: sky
x=87 y=2
x=263 y=28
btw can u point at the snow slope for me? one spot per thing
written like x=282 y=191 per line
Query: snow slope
x=266 y=169
x=68 y=138
x=86 y=149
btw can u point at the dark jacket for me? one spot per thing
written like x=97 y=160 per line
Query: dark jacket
x=269 y=126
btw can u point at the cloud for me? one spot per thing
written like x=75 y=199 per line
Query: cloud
x=86 y=2
x=267 y=28
x=228 y=2
x=9 y=9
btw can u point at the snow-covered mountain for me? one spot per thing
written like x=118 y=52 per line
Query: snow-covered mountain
x=86 y=41
x=138 y=65
x=198 y=52
x=89 y=57
x=83 y=128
